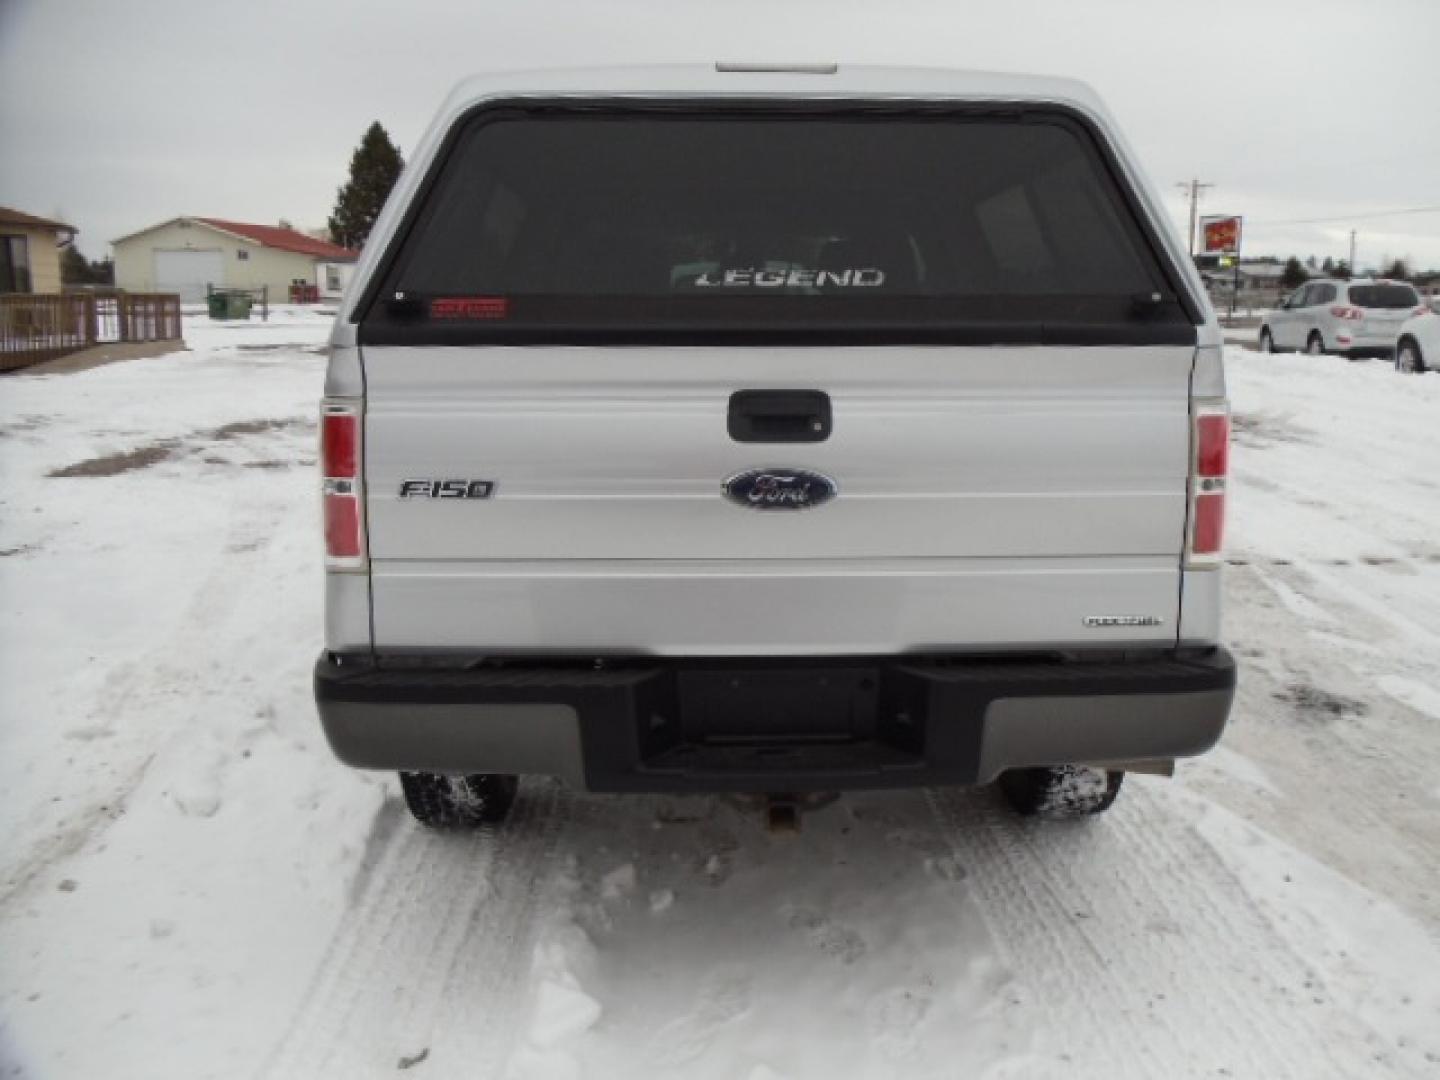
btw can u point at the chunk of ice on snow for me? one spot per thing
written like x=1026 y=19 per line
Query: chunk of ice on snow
x=618 y=882
x=562 y=1011
x=197 y=801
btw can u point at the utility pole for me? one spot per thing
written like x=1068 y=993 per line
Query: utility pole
x=1193 y=190
x=1352 y=253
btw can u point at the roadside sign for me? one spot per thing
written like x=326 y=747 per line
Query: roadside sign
x=1220 y=235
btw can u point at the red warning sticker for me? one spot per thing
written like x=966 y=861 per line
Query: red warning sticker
x=470 y=307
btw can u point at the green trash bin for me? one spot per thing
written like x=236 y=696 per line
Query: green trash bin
x=239 y=305
x=229 y=304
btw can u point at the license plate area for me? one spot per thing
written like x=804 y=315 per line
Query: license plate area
x=788 y=727
x=759 y=706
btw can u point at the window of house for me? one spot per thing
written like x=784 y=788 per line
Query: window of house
x=332 y=279
x=14 y=264
x=241 y=254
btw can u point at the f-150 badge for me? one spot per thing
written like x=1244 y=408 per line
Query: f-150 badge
x=779 y=489
x=446 y=489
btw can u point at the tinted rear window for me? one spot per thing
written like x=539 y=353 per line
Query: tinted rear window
x=1384 y=296
x=773 y=222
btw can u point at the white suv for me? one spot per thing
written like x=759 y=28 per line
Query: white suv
x=1354 y=318
x=776 y=431
x=1417 y=349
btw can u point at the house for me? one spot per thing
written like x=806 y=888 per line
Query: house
x=1254 y=277
x=1264 y=275
x=186 y=255
x=30 y=252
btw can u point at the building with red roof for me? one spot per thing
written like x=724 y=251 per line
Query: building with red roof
x=191 y=255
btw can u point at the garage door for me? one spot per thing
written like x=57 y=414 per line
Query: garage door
x=188 y=272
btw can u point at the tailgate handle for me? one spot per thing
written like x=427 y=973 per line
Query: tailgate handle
x=779 y=416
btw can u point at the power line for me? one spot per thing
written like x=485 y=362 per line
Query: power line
x=1349 y=217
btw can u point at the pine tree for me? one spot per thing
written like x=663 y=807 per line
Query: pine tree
x=1398 y=270
x=1293 y=276
x=74 y=270
x=374 y=168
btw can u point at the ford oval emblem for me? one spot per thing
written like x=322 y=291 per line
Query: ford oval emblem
x=779 y=489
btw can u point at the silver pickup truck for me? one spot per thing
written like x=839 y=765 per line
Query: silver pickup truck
x=765 y=429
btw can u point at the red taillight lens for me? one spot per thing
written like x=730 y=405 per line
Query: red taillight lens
x=1209 y=532
x=342 y=526
x=1212 y=445
x=339 y=444
x=1345 y=312
x=341 y=481
x=1208 y=471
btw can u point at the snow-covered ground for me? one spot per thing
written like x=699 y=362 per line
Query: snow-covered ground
x=190 y=886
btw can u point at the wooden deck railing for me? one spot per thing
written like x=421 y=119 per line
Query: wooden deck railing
x=43 y=326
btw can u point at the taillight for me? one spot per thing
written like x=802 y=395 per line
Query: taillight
x=339 y=433
x=342 y=526
x=1210 y=436
x=341 y=484
x=1344 y=311
x=1212 y=445
x=1207 y=536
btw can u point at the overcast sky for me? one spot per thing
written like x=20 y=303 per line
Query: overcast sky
x=119 y=115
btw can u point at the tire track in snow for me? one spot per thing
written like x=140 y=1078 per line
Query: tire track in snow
x=1356 y=783
x=1114 y=959
x=1031 y=926
x=438 y=903
x=151 y=678
x=1212 y=928
x=1423 y=638
x=372 y=929
x=488 y=973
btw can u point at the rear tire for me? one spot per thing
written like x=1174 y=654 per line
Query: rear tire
x=1408 y=360
x=1315 y=344
x=458 y=802
x=1267 y=341
x=1060 y=792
